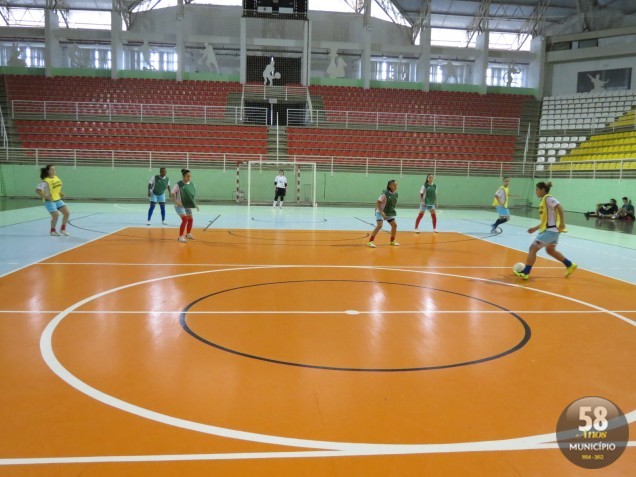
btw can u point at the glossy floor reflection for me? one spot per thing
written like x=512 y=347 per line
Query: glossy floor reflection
x=277 y=343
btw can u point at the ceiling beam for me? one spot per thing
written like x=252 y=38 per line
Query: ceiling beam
x=356 y=5
x=479 y=23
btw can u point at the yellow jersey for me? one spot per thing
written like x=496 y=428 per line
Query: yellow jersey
x=55 y=187
x=506 y=191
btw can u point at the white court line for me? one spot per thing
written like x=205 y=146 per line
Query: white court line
x=592 y=270
x=246 y=455
x=380 y=267
x=315 y=312
x=527 y=442
x=102 y=235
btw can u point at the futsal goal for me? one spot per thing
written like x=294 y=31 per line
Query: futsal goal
x=255 y=182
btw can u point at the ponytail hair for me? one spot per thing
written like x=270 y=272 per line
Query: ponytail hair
x=546 y=186
x=44 y=171
x=184 y=172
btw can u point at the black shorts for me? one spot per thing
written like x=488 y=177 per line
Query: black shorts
x=280 y=192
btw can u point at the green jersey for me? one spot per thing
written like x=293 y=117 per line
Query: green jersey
x=429 y=192
x=389 y=199
x=160 y=185
x=187 y=192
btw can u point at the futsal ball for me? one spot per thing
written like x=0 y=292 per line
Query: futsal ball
x=518 y=267
x=277 y=75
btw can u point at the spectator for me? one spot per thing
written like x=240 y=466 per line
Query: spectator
x=604 y=210
x=626 y=212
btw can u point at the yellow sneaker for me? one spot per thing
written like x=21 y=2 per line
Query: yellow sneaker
x=525 y=276
x=570 y=270
x=394 y=244
x=371 y=244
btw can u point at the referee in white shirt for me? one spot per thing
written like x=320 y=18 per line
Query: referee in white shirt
x=280 y=187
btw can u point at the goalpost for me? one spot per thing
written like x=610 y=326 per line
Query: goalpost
x=258 y=181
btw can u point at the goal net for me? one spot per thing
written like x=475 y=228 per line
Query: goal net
x=255 y=182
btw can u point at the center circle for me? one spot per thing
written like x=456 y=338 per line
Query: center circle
x=234 y=349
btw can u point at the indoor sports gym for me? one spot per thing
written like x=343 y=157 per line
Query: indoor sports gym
x=335 y=238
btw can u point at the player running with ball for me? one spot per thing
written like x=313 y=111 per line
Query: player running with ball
x=551 y=226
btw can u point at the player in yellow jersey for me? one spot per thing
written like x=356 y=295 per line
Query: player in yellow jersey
x=500 y=201
x=551 y=226
x=50 y=189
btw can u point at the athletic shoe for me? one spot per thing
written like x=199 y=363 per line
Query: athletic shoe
x=371 y=244
x=148 y=222
x=164 y=222
x=394 y=244
x=525 y=276
x=434 y=231
x=493 y=229
x=54 y=233
x=570 y=270
x=65 y=233
x=182 y=240
x=190 y=237
x=416 y=230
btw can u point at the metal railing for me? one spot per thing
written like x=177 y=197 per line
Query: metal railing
x=618 y=168
x=403 y=121
x=284 y=93
x=329 y=164
x=136 y=112
x=3 y=131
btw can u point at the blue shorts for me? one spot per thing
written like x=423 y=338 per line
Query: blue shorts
x=54 y=205
x=157 y=198
x=426 y=207
x=503 y=211
x=548 y=237
x=181 y=211
x=379 y=218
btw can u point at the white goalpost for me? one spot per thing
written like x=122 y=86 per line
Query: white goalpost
x=255 y=182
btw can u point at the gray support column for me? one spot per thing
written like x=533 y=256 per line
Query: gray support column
x=424 y=61
x=481 y=61
x=180 y=40
x=51 y=43
x=116 y=47
x=305 y=75
x=243 y=65
x=366 y=45
x=536 y=70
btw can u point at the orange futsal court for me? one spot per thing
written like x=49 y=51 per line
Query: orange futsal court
x=304 y=353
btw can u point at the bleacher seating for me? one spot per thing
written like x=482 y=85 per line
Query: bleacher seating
x=399 y=144
x=584 y=111
x=345 y=143
x=593 y=127
x=124 y=90
x=143 y=136
x=341 y=98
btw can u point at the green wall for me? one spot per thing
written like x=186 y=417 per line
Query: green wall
x=577 y=195
x=341 y=187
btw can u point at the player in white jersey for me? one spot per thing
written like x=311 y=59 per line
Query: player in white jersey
x=280 y=188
